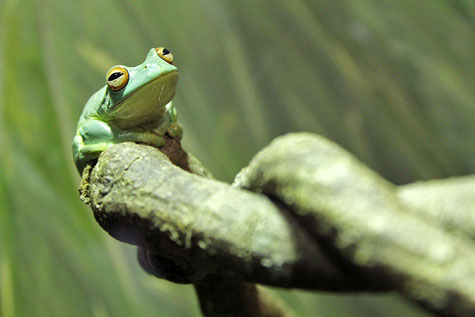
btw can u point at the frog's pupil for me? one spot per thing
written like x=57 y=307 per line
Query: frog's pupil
x=115 y=76
x=166 y=51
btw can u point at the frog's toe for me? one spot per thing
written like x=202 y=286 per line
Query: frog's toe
x=175 y=130
x=152 y=139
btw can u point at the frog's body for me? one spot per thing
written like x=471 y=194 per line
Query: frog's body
x=135 y=106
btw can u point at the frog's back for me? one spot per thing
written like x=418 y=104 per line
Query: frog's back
x=94 y=106
x=91 y=110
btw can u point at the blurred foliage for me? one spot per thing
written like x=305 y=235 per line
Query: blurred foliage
x=390 y=80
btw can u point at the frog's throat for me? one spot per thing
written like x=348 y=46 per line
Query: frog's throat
x=146 y=104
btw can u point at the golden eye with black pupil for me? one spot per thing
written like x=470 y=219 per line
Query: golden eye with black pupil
x=165 y=54
x=117 y=77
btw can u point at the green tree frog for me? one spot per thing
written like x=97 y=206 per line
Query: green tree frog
x=135 y=106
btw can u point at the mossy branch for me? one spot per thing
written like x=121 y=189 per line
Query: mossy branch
x=320 y=220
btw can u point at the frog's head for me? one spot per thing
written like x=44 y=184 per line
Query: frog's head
x=138 y=95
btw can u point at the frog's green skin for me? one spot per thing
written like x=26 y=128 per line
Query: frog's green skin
x=141 y=111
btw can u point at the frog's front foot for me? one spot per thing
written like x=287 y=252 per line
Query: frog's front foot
x=151 y=139
x=175 y=130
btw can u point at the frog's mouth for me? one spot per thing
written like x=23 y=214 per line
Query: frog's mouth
x=146 y=104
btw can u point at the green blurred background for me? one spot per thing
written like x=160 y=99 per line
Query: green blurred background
x=392 y=81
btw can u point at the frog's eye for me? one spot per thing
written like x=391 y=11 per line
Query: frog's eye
x=117 y=77
x=165 y=54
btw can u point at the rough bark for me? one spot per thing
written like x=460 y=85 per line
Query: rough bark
x=319 y=220
x=206 y=226
x=359 y=214
x=449 y=202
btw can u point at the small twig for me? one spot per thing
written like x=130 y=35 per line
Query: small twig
x=220 y=297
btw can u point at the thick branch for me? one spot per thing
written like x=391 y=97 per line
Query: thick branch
x=205 y=226
x=341 y=201
x=332 y=224
x=449 y=202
